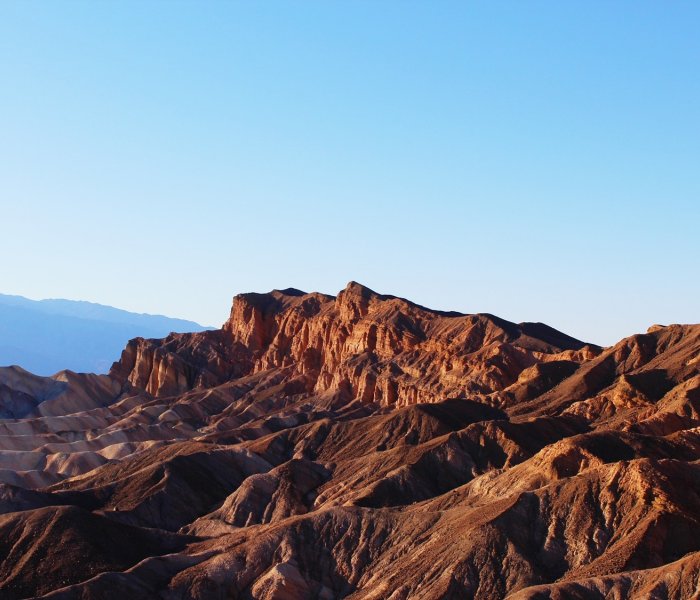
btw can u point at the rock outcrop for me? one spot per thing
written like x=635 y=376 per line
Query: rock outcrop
x=376 y=348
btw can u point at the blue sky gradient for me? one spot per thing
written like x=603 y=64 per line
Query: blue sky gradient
x=536 y=160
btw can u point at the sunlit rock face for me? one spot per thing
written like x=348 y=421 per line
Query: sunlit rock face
x=357 y=446
x=373 y=348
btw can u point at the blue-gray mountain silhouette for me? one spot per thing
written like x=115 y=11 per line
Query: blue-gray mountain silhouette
x=46 y=336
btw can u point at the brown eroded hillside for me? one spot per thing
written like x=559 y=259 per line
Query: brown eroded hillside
x=357 y=446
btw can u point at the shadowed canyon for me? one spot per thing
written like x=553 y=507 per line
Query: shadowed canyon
x=357 y=446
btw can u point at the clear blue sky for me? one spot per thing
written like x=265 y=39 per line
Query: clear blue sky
x=536 y=160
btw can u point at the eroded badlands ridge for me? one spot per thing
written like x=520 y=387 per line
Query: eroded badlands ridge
x=357 y=446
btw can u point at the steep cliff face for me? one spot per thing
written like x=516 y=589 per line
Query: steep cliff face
x=180 y=362
x=372 y=347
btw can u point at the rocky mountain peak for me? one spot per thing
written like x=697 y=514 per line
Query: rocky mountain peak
x=357 y=446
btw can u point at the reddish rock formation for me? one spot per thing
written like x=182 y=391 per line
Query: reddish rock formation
x=357 y=446
x=374 y=348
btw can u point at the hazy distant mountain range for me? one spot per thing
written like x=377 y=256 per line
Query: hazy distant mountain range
x=45 y=336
